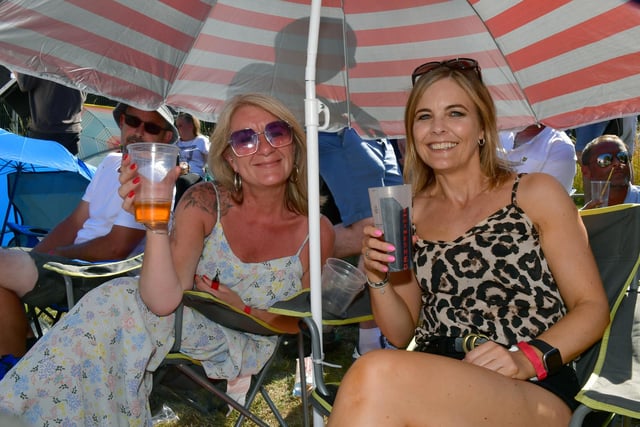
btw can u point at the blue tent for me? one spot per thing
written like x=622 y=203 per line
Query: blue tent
x=21 y=154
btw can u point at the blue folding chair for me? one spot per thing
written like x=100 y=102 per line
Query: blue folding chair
x=41 y=200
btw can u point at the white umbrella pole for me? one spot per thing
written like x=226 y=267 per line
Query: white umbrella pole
x=311 y=120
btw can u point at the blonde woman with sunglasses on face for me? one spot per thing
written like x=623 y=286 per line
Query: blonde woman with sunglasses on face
x=243 y=239
x=496 y=307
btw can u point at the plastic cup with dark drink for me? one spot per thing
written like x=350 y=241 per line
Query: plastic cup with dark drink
x=391 y=209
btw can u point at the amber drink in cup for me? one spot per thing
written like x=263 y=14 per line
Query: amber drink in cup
x=153 y=198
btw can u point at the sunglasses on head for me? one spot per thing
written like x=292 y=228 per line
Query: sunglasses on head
x=604 y=160
x=149 y=127
x=460 y=64
x=244 y=142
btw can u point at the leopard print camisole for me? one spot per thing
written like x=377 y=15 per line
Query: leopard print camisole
x=494 y=280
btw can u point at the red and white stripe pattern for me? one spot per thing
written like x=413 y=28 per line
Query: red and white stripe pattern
x=558 y=62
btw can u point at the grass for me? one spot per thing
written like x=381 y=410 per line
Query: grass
x=194 y=407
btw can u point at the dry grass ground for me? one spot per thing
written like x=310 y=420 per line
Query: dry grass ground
x=196 y=408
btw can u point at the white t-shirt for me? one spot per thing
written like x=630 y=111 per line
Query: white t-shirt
x=105 y=205
x=551 y=152
x=195 y=152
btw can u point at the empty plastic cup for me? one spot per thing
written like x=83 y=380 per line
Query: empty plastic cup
x=341 y=283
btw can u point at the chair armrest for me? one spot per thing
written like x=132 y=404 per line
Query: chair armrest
x=227 y=315
x=96 y=269
x=299 y=305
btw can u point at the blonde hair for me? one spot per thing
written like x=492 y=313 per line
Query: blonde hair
x=418 y=173
x=296 y=191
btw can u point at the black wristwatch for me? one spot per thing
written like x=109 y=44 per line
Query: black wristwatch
x=551 y=357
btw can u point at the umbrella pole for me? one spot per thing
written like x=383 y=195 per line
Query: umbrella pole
x=311 y=121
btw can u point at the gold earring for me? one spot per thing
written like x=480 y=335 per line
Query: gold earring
x=237 y=182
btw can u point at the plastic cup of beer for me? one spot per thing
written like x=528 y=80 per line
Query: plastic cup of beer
x=154 y=160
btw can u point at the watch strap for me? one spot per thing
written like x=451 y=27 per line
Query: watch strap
x=547 y=349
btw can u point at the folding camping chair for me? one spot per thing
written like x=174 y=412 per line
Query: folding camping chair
x=214 y=309
x=610 y=370
x=41 y=200
x=233 y=318
x=323 y=394
x=27 y=193
x=93 y=273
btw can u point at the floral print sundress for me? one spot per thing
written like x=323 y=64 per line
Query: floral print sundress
x=95 y=366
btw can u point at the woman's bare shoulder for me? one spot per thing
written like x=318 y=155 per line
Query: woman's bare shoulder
x=541 y=195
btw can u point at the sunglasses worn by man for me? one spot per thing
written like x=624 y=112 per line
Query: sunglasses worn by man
x=460 y=64
x=149 y=127
x=606 y=159
x=244 y=142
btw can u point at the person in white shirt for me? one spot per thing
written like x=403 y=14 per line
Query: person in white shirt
x=194 y=147
x=97 y=230
x=538 y=148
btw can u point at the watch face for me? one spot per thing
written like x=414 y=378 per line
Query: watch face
x=552 y=361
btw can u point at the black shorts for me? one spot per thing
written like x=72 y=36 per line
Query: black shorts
x=563 y=384
x=50 y=288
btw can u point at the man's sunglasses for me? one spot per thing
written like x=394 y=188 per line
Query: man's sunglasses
x=604 y=160
x=460 y=64
x=149 y=127
x=244 y=142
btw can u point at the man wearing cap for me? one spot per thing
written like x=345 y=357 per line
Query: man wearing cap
x=97 y=230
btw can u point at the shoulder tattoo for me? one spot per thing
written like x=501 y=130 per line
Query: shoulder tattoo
x=201 y=197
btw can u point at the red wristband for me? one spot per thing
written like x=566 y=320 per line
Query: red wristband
x=541 y=372
x=247 y=309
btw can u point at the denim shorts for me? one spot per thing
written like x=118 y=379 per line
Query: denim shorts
x=350 y=165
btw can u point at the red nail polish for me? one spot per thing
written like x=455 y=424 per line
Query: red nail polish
x=125 y=157
x=131 y=194
x=132 y=166
x=136 y=180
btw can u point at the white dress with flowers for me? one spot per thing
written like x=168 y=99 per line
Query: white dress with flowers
x=94 y=367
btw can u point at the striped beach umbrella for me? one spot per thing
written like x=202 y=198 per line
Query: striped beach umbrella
x=558 y=62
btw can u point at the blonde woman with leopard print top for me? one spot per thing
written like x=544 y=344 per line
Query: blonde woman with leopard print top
x=497 y=308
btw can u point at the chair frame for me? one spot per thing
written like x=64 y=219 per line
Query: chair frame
x=186 y=366
x=182 y=363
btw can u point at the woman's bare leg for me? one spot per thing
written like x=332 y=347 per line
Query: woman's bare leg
x=399 y=388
